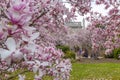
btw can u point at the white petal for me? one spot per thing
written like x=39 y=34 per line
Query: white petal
x=30 y=62
x=8 y=60
x=10 y=43
x=24 y=38
x=25 y=57
x=35 y=35
x=17 y=56
x=21 y=77
x=32 y=47
x=45 y=64
x=29 y=28
x=35 y=68
x=18 y=43
x=28 y=18
x=41 y=73
x=10 y=70
x=4 y=53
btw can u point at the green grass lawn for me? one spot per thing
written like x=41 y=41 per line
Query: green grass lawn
x=95 y=71
x=91 y=71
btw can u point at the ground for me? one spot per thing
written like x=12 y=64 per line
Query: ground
x=90 y=69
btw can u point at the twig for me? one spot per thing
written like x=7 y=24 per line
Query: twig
x=43 y=13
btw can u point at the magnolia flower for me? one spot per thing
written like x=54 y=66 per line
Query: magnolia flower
x=19 y=12
x=31 y=45
x=12 y=53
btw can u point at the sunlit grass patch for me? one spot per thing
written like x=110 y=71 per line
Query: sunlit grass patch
x=93 y=71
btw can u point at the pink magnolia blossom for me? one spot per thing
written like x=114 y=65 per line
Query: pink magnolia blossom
x=18 y=13
x=12 y=53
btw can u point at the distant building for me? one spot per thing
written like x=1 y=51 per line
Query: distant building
x=74 y=24
x=75 y=27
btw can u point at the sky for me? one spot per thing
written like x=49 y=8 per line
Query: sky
x=96 y=8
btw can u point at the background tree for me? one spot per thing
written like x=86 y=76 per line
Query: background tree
x=105 y=29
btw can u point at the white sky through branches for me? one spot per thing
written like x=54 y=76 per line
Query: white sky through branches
x=95 y=8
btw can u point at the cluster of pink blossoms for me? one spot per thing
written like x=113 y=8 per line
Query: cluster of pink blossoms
x=20 y=46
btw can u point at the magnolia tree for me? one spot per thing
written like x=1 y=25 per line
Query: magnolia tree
x=26 y=40
x=84 y=37
x=105 y=29
x=25 y=43
x=79 y=37
x=105 y=34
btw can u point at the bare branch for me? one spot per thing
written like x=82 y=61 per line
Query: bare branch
x=42 y=14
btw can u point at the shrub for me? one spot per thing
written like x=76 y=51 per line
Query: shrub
x=67 y=52
x=64 y=48
x=70 y=54
x=116 y=53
